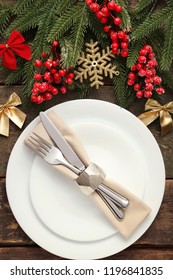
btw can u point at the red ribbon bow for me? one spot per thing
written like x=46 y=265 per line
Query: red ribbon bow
x=14 y=45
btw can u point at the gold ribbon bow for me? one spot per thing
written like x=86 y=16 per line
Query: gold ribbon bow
x=155 y=110
x=9 y=111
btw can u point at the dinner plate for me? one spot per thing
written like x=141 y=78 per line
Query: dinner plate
x=54 y=213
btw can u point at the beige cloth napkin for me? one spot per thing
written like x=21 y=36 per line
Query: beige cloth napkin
x=137 y=210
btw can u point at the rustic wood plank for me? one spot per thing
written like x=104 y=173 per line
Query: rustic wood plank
x=132 y=253
x=160 y=232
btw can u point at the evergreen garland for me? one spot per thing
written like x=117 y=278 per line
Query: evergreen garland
x=72 y=23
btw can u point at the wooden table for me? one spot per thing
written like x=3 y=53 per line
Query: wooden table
x=156 y=243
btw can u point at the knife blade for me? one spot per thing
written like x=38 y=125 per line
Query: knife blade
x=61 y=143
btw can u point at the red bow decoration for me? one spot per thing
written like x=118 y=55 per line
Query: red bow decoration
x=14 y=45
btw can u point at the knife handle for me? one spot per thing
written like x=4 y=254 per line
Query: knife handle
x=114 y=196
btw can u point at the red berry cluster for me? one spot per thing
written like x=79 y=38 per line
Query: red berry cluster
x=51 y=77
x=143 y=76
x=108 y=14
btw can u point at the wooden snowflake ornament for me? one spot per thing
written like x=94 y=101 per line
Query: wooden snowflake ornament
x=94 y=64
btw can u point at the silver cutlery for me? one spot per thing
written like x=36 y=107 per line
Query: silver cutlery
x=74 y=160
x=54 y=156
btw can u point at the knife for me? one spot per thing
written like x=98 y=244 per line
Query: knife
x=73 y=159
x=61 y=143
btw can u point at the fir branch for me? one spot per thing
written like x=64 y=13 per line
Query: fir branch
x=5 y=14
x=167 y=56
x=21 y=6
x=120 y=85
x=77 y=35
x=27 y=19
x=167 y=78
x=134 y=52
x=97 y=28
x=142 y=4
x=170 y=3
x=65 y=22
x=126 y=25
x=152 y=23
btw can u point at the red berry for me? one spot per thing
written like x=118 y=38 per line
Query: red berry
x=55 y=43
x=37 y=76
x=47 y=76
x=43 y=54
x=157 y=80
x=142 y=72
x=124 y=53
x=149 y=73
x=71 y=75
x=48 y=96
x=124 y=45
x=160 y=90
x=99 y=15
x=143 y=52
x=113 y=36
x=121 y=34
x=33 y=98
x=69 y=81
x=142 y=59
x=55 y=63
x=149 y=87
x=35 y=91
x=126 y=38
x=94 y=7
x=147 y=93
x=139 y=94
x=148 y=48
x=38 y=63
x=106 y=28
x=131 y=75
x=63 y=89
x=118 y=8
x=152 y=63
x=62 y=72
x=117 y=21
x=137 y=87
x=115 y=51
x=105 y=11
x=40 y=99
x=53 y=71
x=111 y=5
x=151 y=55
x=103 y=20
x=54 y=90
x=130 y=82
x=89 y=2
x=115 y=45
x=133 y=68
x=48 y=64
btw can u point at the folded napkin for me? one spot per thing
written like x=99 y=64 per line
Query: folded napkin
x=136 y=211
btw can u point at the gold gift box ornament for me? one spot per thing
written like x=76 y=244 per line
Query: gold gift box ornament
x=8 y=111
x=156 y=110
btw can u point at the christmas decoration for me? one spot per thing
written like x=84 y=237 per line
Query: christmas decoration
x=93 y=64
x=126 y=26
x=14 y=45
x=51 y=76
x=143 y=76
x=154 y=110
x=9 y=111
x=108 y=15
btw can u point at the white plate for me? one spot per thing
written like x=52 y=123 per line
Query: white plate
x=117 y=141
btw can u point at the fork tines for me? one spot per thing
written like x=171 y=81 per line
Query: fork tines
x=39 y=145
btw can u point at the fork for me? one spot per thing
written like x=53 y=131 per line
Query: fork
x=54 y=156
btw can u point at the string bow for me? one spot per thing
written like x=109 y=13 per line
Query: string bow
x=9 y=111
x=14 y=45
x=154 y=110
